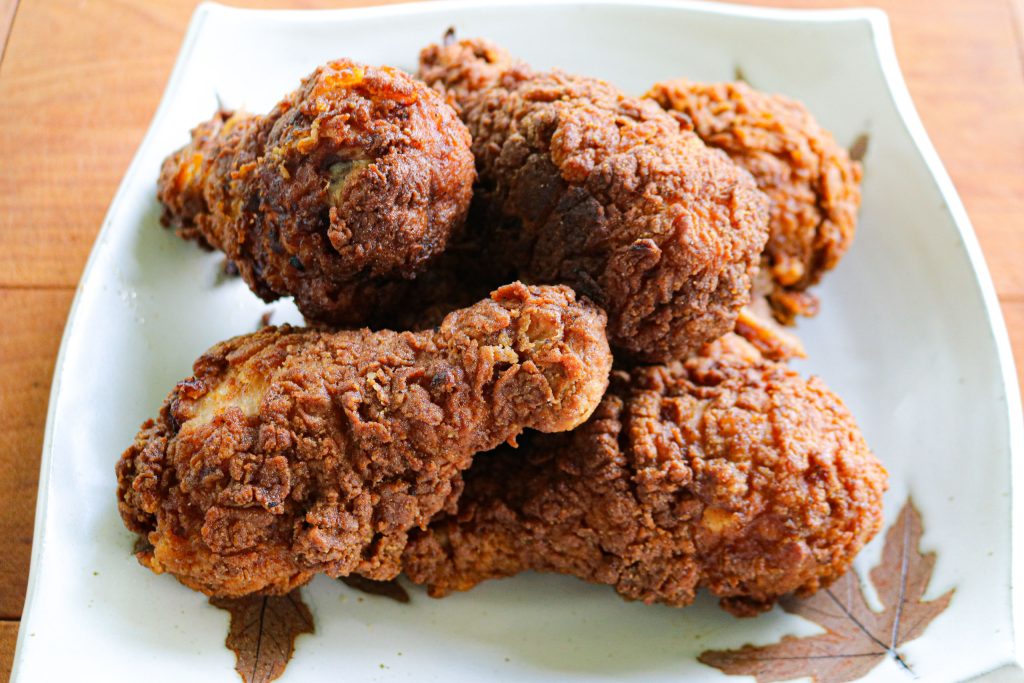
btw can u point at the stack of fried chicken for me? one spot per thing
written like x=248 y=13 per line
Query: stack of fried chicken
x=595 y=380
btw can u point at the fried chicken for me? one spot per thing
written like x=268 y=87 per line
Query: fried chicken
x=757 y=325
x=727 y=472
x=813 y=185
x=338 y=197
x=582 y=185
x=292 y=452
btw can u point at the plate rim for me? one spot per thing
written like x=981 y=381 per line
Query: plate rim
x=884 y=48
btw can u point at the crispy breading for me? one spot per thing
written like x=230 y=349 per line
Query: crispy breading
x=292 y=452
x=813 y=185
x=727 y=471
x=581 y=185
x=339 y=197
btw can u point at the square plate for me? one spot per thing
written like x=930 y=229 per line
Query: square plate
x=910 y=335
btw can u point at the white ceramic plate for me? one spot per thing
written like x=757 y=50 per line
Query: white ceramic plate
x=910 y=335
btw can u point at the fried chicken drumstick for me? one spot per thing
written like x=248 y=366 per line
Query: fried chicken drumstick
x=582 y=185
x=338 y=197
x=813 y=185
x=727 y=471
x=292 y=452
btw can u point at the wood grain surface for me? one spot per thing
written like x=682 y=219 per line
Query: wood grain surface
x=80 y=80
x=8 y=634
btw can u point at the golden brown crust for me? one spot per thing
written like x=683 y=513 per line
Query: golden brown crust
x=728 y=472
x=291 y=451
x=338 y=197
x=582 y=185
x=813 y=185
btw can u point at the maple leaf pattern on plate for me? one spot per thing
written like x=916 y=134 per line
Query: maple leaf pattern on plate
x=263 y=632
x=856 y=637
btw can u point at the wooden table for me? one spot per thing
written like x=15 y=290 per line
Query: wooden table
x=80 y=80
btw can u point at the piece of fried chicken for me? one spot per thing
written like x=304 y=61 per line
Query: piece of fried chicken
x=338 y=197
x=582 y=185
x=813 y=185
x=292 y=452
x=727 y=472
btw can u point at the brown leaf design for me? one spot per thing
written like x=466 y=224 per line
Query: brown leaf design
x=857 y=638
x=859 y=148
x=263 y=632
x=264 y=319
x=385 y=589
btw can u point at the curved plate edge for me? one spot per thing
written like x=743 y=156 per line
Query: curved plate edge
x=904 y=104
x=38 y=537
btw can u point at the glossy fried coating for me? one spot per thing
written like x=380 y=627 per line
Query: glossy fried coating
x=292 y=452
x=726 y=472
x=582 y=185
x=339 y=196
x=813 y=184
